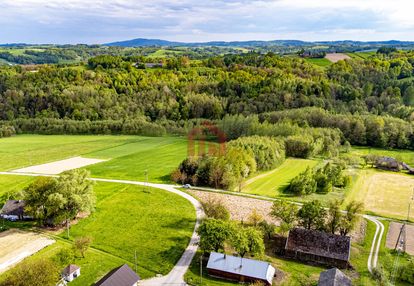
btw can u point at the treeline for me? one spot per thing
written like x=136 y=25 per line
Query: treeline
x=66 y=126
x=371 y=130
x=245 y=155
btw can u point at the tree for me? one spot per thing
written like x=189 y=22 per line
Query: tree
x=213 y=234
x=255 y=218
x=75 y=194
x=240 y=241
x=304 y=183
x=36 y=196
x=334 y=216
x=268 y=229
x=255 y=241
x=60 y=199
x=81 y=244
x=350 y=218
x=215 y=208
x=41 y=272
x=312 y=215
x=64 y=256
x=286 y=212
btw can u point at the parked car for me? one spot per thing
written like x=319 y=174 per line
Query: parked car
x=187 y=186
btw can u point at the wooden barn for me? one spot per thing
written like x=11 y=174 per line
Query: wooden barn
x=240 y=269
x=318 y=247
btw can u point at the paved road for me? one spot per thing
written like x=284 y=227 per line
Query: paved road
x=376 y=243
x=176 y=275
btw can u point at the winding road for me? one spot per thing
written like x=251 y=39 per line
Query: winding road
x=376 y=242
x=176 y=275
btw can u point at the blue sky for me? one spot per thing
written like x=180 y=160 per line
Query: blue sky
x=101 y=21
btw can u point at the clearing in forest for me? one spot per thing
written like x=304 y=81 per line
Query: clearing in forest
x=335 y=57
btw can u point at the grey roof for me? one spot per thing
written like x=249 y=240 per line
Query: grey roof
x=13 y=207
x=121 y=276
x=70 y=269
x=333 y=277
x=319 y=243
x=242 y=266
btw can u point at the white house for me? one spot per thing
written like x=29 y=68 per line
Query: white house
x=70 y=272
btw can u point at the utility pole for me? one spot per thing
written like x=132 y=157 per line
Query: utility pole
x=201 y=269
x=135 y=256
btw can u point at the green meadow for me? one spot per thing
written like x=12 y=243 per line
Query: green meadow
x=129 y=157
x=129 y=219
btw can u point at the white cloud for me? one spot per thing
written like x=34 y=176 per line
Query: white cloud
x=94 y=21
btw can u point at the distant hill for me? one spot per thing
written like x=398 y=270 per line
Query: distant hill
x=140 y=42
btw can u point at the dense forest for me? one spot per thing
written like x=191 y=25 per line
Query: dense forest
x=363 y=102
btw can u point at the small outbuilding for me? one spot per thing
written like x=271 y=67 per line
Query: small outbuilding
x=240 y=269
x=318 y=247
x=14 y=210
x=121 y=276
x=334 y=277
x=71 y=272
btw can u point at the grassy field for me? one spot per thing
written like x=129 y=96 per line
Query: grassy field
x=403 y=155
x=128 y=219
x=273 y=183
x=361 y=55
x=322 y=62
x=12 y=184
x=383 y=193
x=129 y=156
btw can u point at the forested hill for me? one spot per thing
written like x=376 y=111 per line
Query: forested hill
x=370 y=101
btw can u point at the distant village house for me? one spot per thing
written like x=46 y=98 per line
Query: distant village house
x=240 y=269
x=318 y=247
x=14 y=210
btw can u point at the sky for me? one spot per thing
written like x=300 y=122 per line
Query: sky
x=103 y=21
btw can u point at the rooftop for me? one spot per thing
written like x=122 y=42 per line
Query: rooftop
x=13 y=207
x=121 y=276
x=333 y=277
x=319 y=243
x=70 y=269
x=242 y=266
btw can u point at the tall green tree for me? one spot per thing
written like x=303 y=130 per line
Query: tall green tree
x=312 y=215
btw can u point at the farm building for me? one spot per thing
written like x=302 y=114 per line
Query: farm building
x=240 y=269
x=388 y=163
x=71 y=272
x=318 y=247
x=14 y=210
x=121 y=276
x=334 y=277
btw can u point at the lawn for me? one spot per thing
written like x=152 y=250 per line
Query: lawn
x=403 y=155
x=129 y=156
x=383 y=193
x=128 y=218
x=12 y=184
x=273 y=183
x=156 y=156
x=322 y=62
